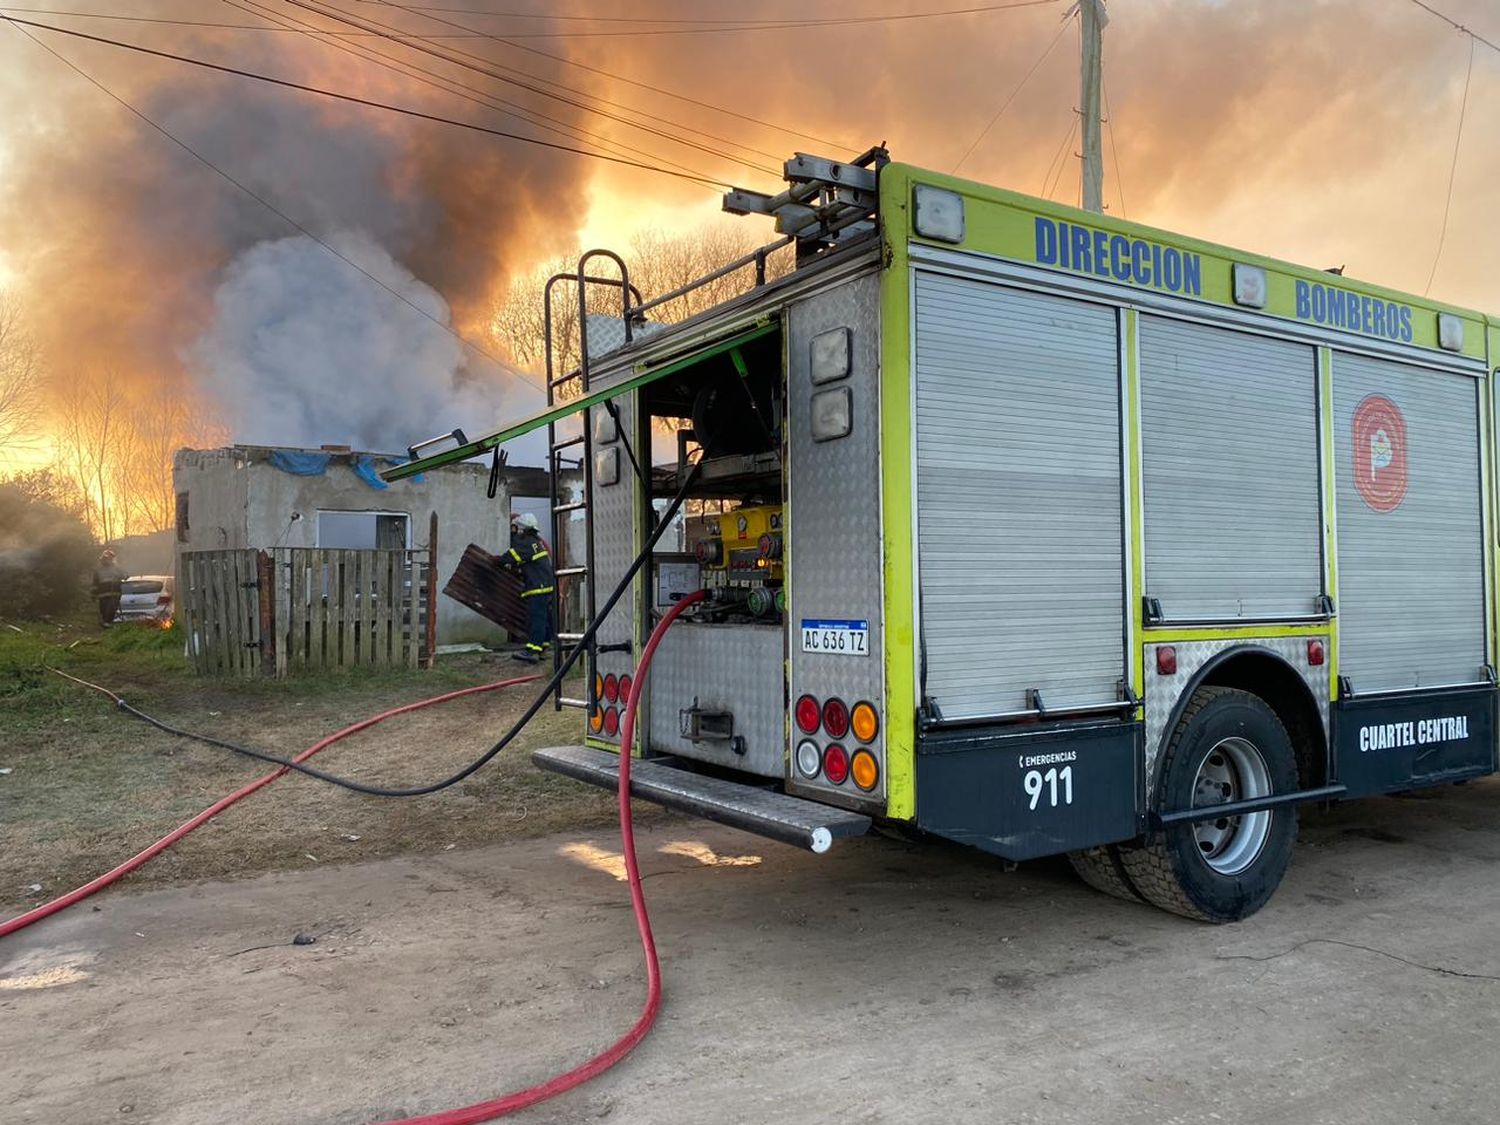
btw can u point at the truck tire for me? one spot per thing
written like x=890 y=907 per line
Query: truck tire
x=1228 y=746
x=1101 y=869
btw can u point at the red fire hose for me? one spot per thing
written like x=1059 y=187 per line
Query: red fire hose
x=520 y=1099
x=36 y=914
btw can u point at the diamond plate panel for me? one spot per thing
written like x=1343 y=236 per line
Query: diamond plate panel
x=834 y=549
x=734 y=668
x=612 y=513
x=1162 y=693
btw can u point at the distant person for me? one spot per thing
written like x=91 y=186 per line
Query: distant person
x=107 y=578
x=528 y=556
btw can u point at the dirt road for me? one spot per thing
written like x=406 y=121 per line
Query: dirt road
x=883 y=982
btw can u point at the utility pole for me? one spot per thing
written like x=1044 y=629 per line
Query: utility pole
x=1092 y=17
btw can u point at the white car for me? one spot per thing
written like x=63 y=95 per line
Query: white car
x=146 y=597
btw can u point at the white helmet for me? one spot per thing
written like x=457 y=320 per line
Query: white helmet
x=526 y=520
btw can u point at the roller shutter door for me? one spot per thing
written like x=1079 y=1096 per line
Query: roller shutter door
x=1229 y=452
x=1410 y=545
x=1018 y=498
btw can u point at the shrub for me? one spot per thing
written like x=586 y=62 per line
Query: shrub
x=45 y=556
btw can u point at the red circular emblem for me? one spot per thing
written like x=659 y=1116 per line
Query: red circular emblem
x=1380 y=452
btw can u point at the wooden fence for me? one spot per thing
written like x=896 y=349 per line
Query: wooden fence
x=294 y=609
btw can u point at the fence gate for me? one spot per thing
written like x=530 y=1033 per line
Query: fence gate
x=220 y=603
x=251 y=613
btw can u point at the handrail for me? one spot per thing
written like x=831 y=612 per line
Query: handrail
x=757 y=257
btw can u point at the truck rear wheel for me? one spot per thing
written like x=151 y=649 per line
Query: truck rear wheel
x=1229 y=746
x=1102 y=869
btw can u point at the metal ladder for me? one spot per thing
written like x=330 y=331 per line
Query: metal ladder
x=577 y=577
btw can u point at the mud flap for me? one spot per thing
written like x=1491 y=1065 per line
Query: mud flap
x=1024 y=792
x=1406 y=741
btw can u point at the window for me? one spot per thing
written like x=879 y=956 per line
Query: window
x=364 y=530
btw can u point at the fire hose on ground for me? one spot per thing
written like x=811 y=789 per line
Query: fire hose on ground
x=520 y=1099
x=508 y=1103
x=62 y=902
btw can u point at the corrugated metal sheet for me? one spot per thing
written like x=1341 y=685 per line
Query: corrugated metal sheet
x=1411 y=579
x=1018 y=496
x=495 y=594
x=1229 y=456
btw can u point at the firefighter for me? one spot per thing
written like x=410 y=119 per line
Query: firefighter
x=529 y=557
x=107 y=578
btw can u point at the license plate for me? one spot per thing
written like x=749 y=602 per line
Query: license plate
x=840 y=638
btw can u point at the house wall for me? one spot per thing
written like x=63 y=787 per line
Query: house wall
x=238 y=499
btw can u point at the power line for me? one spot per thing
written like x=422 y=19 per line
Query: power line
x=1059 y=158
x=337 y=96
x=262 y=200
x=455 y=87
x=760 y=25
x=1453 y=23
x=208 y=24
x=1013 y=94
x=1109 y=123
x=1463 y=107
x=511 y=42
x=497 y=71
x=705 y=19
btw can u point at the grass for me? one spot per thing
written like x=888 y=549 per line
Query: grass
x=89 y=785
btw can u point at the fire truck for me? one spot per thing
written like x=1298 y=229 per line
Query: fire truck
x=1028 y=528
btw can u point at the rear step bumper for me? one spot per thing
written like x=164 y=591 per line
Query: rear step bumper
x=807 y=824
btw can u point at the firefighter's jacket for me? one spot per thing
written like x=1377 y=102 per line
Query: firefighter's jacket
x=107 y=579
x=528 y=555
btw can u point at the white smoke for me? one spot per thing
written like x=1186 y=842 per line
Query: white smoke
x=305 y=351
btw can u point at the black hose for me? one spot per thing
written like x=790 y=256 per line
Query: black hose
x=505 y=739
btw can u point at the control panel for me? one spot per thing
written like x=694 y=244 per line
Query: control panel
x=739 y=553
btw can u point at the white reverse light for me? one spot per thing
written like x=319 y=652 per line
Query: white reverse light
x=809 y=761
x=830 y=355
x=832 y=414
x=607 y=465
x=1249 y=286
x=938 y=214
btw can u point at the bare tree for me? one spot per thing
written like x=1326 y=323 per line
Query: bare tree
x=156 y=426
x=90 y=437
x=20 y=395
x=659 y=263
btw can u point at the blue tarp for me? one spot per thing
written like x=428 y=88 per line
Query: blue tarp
x=307 y=464
x=364 y=468
x=301 y=464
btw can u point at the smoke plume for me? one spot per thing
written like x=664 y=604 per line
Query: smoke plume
x=303 y=350
x=1316 y=130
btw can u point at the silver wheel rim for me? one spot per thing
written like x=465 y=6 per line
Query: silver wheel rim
x=1234 y=770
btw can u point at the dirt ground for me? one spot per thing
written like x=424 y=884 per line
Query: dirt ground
x=883 y=982
x=85 y=785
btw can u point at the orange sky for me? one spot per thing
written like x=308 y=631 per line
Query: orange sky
x=1315 y=130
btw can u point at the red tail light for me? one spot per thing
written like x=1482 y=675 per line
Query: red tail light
x=836 y=718
x=836 y=764
x=1166 y=660
x=625 y=688
x=1316 y=654
x=164 y=599
x=611 y=688
x=808 y=715
x=611 y=721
